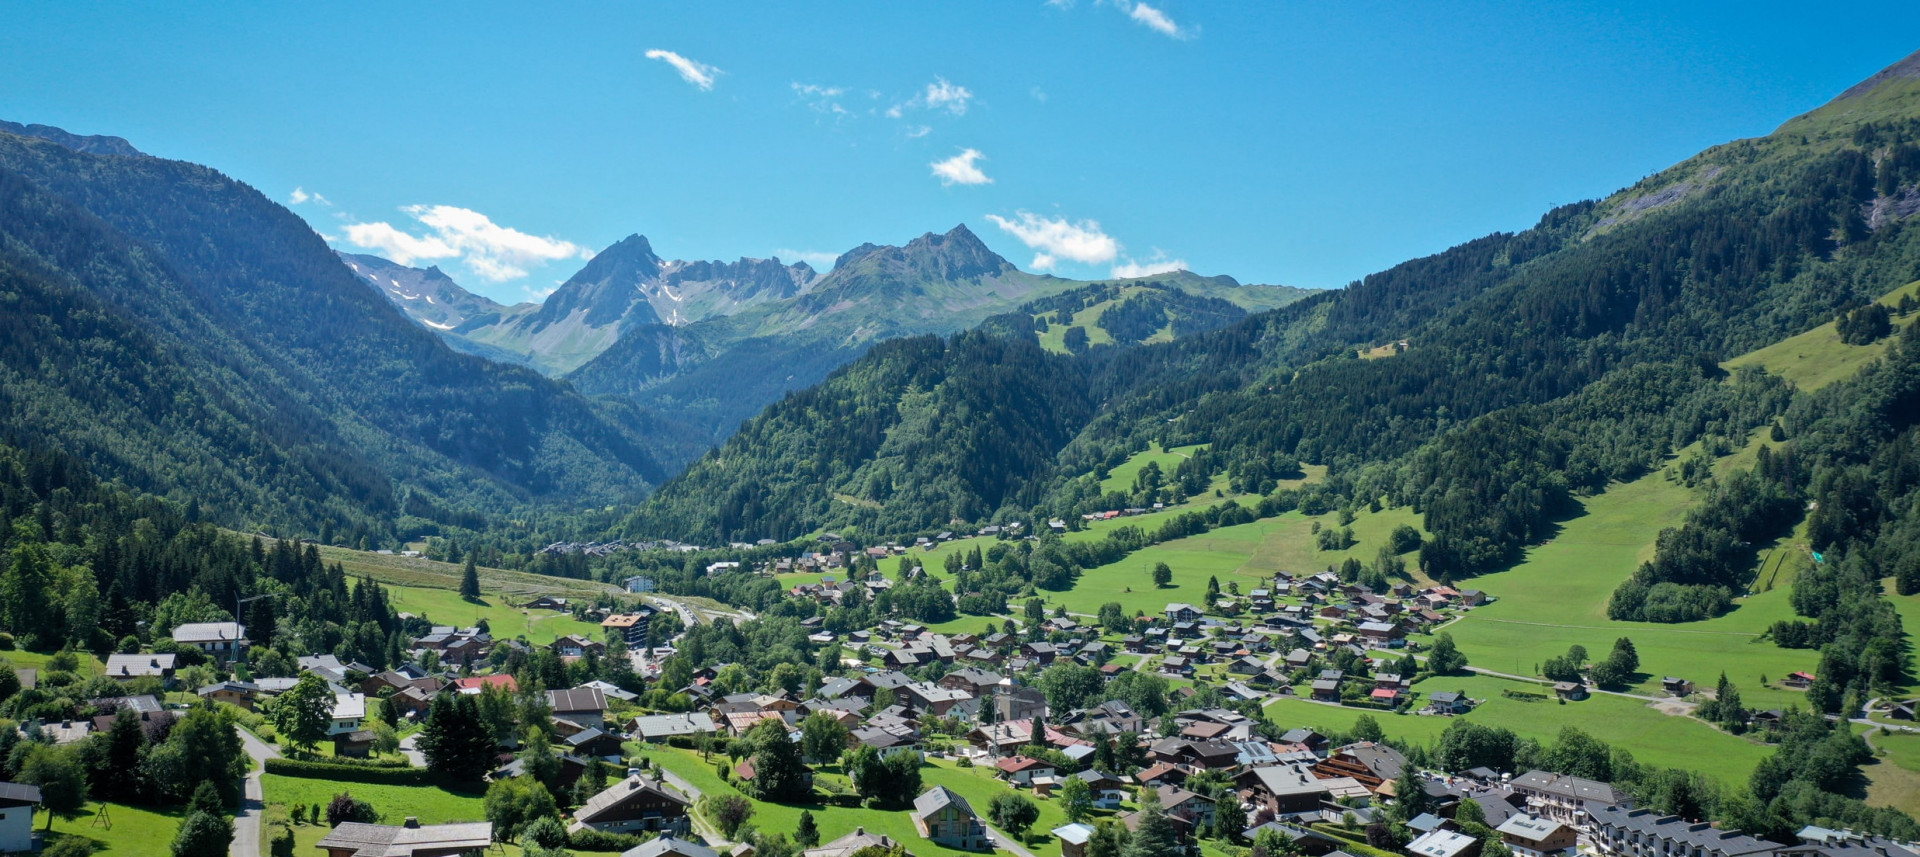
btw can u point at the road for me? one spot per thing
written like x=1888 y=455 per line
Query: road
x=1004 y=841
x=706 y=830
x=692 y=615
x=410 y=747
x=246 y=825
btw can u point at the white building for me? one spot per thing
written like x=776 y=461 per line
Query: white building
x=16 y=816
x=221 y=640
x=349 y=711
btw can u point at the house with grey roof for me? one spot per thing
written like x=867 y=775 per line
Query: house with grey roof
x=947 y=819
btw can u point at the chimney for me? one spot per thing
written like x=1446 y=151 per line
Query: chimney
x=412 y=822
x=860 y=831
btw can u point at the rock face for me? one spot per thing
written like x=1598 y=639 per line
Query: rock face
x=97 y=144
x=427 y=295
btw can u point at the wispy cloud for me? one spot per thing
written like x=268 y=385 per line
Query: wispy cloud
x=941 y=94
x=492 y=251
x=963 y=168
x=300 y=196
x=1158 y=21
x=1155 y=266
x=821 y=99
x=918 y=131
x=1057 y=238
x=692 y=71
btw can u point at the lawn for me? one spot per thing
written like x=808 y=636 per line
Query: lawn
x=446 y=607
x=134 y=831
x=1121 y=478
x=430 y=804
x=1894 y=780
x=1248 y=553
x=519 y=586
x=1653 y=737
x=976 y=785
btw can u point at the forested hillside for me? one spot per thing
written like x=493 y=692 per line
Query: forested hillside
x=179 y=331
x=1536 y=365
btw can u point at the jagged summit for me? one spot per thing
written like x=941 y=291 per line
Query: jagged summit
x=92 y=144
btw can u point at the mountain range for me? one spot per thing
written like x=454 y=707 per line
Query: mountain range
x=711 y=343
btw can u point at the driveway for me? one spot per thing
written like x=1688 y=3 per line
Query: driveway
x=246 y=825
x=410 y=747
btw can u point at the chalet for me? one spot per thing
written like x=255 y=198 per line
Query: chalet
x=348 y=713
x=1382 y=632
x=585 y=706
x=1798 y=680
x=1299 y=658
x=660 y=727
x=1326 y=690
x=1194 y=809
x=593 y=744
x=1161 y=773
x=634 y=805
x=1449 y=702
x=975 y=682
x=1108 y=790
x=123 y=667
x=1023 y=770
x=1473 y=597
x=1367 y=762
x=576 y=646
x=1559 y=797
x=222 y=641
x=1533 y=836
x=1178 y=612
x=1387 y=696
x=855 y=842
x=928 y=698
x=547 y=602
x=411 y=839
x=998 y=739
x=947 y=819
x=1676 y=686
x=1444 y=843
x=1283 y=789
x=1571 y=691
x=240 y=693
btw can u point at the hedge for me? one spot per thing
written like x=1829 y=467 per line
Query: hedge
x=350 y=773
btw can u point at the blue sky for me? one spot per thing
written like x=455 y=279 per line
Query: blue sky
x=1297 y=143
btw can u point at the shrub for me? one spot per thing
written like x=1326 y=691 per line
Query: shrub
x=546 y=832
x=727 y=812
x=369 y=774
x=345 y=807
x=68 y=845
x=589 y=839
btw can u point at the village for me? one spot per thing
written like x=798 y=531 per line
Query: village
x=1026 y=721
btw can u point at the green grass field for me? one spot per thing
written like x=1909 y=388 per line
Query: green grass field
x=1652 y=736
x=446 y=607
x=134 y=831
x=1817 y=358
x=432 y=805
x=976 y=785
x=398 y=570
x=1247 y=554
x=1894 y=780
x=1121 y=478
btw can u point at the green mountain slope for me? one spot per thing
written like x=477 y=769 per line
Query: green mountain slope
x=183 y=333
x=1618 y=308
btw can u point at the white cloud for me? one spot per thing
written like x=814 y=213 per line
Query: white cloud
x=961 y=169
x=1038 y=94
x=1157 y=21
x=692 y=71
x=941 y=94
x=1155 y=266
x=494 y=252
x=952 y=98
x=919 y=131
x=821 y=99
x=300 y=196
x=1057 y=238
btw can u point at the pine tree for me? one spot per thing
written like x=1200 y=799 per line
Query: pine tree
x=807 y=835
x=470 y=581
x=1155 y=836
